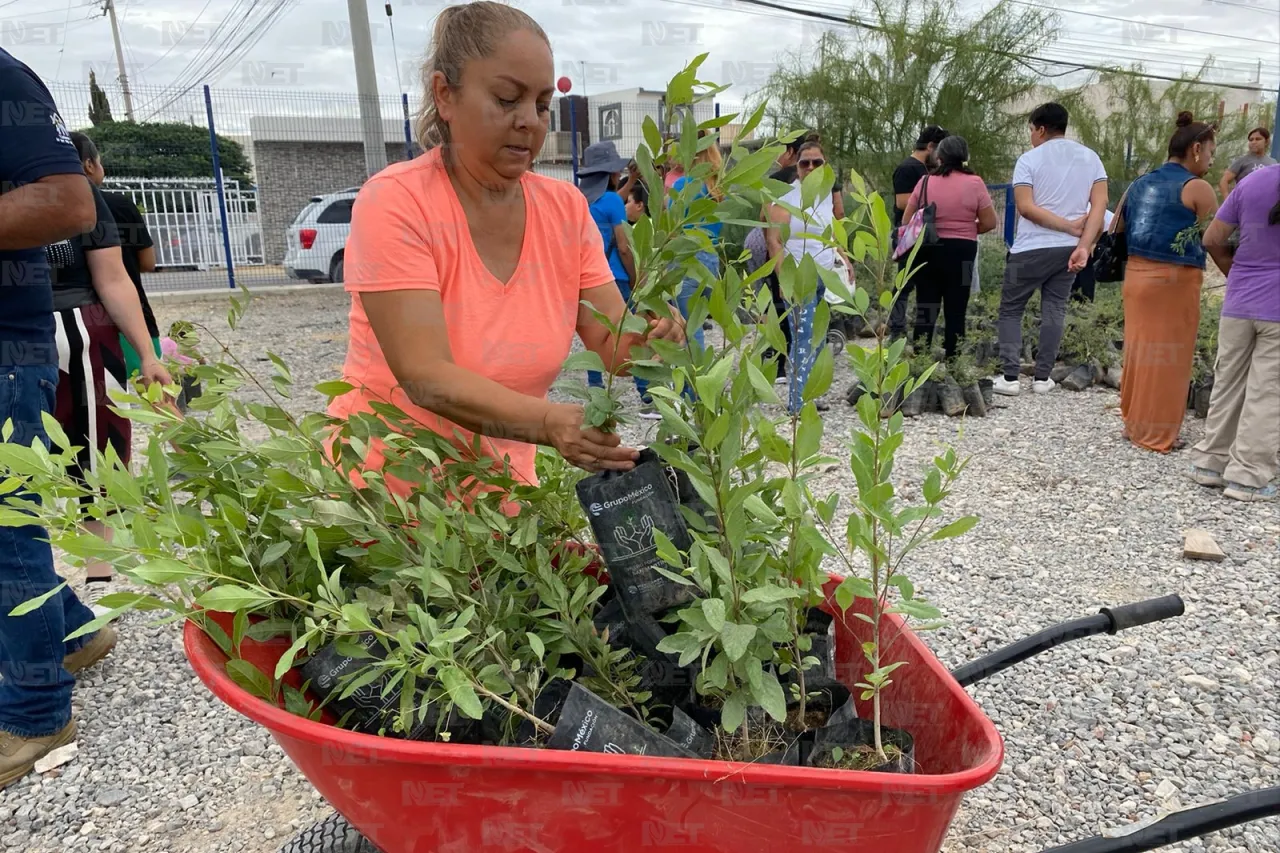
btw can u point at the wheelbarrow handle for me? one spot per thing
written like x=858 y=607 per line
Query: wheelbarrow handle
x=1184 y=825
x=1109 y=620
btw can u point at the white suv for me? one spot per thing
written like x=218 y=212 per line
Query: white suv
x=318 y=237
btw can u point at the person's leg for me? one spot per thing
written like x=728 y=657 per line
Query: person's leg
x=929 y=278
x=780 y=307
x=1054 y=294
x=1019 y=284
x=1257 y=440
x=693 y=286
x=1230 y=379
x=962 y=255
x=803 y=353
x=35 y=690
x=898 y=312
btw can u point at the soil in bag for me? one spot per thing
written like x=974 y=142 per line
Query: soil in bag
x=973 y=401
x=951 y=398
x=820 y=626
x=625 y=508
x=1079 y=379
x=589 y=724
x=850 y=745
x=547 y=706
x=660 y=672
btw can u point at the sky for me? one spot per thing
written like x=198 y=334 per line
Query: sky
x=601 y=45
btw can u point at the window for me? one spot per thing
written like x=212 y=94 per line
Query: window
x=305 y=212
x=337 y=213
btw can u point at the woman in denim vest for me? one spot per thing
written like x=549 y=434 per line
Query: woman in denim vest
x=1162 y=216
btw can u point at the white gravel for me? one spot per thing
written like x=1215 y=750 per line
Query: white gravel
x=1097 y=734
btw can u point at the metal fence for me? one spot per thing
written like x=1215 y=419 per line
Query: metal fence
x=270 y=204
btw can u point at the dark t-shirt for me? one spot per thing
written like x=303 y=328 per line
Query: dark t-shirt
x=786 y=174
x=34 y=144
x=134 y=237
x=905 y=178
x=72 y=284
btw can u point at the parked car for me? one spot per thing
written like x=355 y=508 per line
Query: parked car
x=318 y=237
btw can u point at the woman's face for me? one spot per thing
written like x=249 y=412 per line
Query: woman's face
x=499 y=114
x=1200 y=158
x=1257 y=144
x=810 y=158
x=94 y=171
x=634 y=210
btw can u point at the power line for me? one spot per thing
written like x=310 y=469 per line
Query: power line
x=66 y=22
x=1251 y=7
x=178 y=41
x=1101 y=17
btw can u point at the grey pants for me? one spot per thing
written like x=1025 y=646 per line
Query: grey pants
x=1025 y=273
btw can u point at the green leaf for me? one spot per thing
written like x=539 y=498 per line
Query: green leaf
x=809 y=433
x=677 y=644
x=959 y=527
x=585 y=360
x=335 y=513
x=717 y=673
x=769 y=594
x=760 y=384
x=734 y=711
x=274 y=552
x=250 y=678
x=34 y=604
x=54 y=431
x=162 y=571
x=735 y=639
x=535 y=643
x=819 y=381
x=714 y=610
x=286 y=660
x=711 y=383
x=334 y=388
x=771 y=697
x=461 y=693
x=229 y=598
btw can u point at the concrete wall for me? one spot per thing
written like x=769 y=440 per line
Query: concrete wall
x=290 y=173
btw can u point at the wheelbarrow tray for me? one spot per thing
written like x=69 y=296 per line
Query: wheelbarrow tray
x=419 y=797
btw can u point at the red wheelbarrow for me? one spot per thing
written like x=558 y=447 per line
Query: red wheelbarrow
x=398 y=796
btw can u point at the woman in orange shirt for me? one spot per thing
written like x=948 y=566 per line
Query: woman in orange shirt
x=466 y=269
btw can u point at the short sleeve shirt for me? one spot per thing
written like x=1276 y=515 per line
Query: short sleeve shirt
x=34 y=144
x=69 y=260
x=409 y=232
x=1253 y=286
x=905 y=179
x=957 y=199
x=1246 y=164
x=1061 y=174
x=608 y=212
x=712 y=228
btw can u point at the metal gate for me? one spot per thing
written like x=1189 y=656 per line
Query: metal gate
x=182 y=216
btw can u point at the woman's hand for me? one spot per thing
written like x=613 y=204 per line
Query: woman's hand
x=669 y=328
x=153 y=371
x=588 y=448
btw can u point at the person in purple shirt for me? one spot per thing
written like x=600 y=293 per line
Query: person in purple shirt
x=44 y=198
x=1242 y=436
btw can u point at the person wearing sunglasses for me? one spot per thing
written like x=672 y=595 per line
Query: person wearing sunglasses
x=789 y=235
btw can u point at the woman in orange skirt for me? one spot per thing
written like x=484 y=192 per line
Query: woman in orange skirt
x=1161 y=215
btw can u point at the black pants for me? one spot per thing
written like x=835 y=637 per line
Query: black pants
x=1082 y=289
x=898 y=311
x=943 y=282
x=779 y=305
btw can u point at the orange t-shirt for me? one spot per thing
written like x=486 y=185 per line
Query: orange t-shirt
x=409 y=232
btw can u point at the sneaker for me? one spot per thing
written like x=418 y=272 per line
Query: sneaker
x=1043 y=386
x=18 y=755
x=1237 y=492
x=650 y=413
x=94 y=591
x=97 y=648
x=1207 y=477
x=781 y=380
x=821 y=405
x=1006 y=387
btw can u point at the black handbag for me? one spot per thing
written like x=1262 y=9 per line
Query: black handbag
x=1111 y=254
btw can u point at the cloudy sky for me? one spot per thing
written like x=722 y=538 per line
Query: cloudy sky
x=600 y=44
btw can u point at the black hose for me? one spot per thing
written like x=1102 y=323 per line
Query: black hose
x=1181 y=826
x=1031 y=646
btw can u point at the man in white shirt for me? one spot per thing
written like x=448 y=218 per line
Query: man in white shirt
x=1060 y=189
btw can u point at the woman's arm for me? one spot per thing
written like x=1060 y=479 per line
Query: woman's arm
x=112 y=283
x=909 y=209
x=1224 y=185
x=410 y=329
x=1199 y=196
x=987 y=219
x=625 y=253
x=779 y=218
x=147 y=259
x=1215 y=243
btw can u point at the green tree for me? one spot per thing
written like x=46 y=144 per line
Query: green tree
x=1131 y=124
x=869 y=94
x=99 y=106
x=166 y=150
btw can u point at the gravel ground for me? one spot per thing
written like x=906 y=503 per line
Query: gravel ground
x=1098 y=734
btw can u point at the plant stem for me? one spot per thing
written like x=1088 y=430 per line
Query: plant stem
x=538 y=722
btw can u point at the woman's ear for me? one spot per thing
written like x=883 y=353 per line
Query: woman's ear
x=444 y=96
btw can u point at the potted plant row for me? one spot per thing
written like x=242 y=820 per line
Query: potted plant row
x=469 y=608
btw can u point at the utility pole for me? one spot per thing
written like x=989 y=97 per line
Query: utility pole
x=109 y=8
x=375 y=148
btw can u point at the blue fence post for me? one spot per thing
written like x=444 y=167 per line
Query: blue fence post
x=408 y=130
x=573 y=136
x=222 y=198
x=1010 y=214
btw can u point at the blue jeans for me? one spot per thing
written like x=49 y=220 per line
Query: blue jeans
x=689 y=288
x=803 y=353
x=594 y=379
x=35 y=692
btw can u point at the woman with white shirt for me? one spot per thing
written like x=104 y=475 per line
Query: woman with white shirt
x=794 y=230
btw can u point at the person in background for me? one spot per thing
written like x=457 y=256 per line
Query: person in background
x=44 y=198
x=710 y=258
x=1060 y=188
x=1085 y=286
x=493 y=260
x=598 y=181
x=1161 y=218
x=637 y=203
x=1256 y=158
x=1242 y=434
x=788 y=235
x=905 y=178
x=137 y=249
x=944 y=279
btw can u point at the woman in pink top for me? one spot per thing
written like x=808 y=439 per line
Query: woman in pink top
x=466 y=269
x=944 y=273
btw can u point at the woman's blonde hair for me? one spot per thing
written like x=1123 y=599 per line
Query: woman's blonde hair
x=463 y=33
x=711 y=154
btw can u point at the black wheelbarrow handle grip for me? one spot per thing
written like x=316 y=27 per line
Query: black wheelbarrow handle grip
x=1107 y=621
x=1181 y=826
